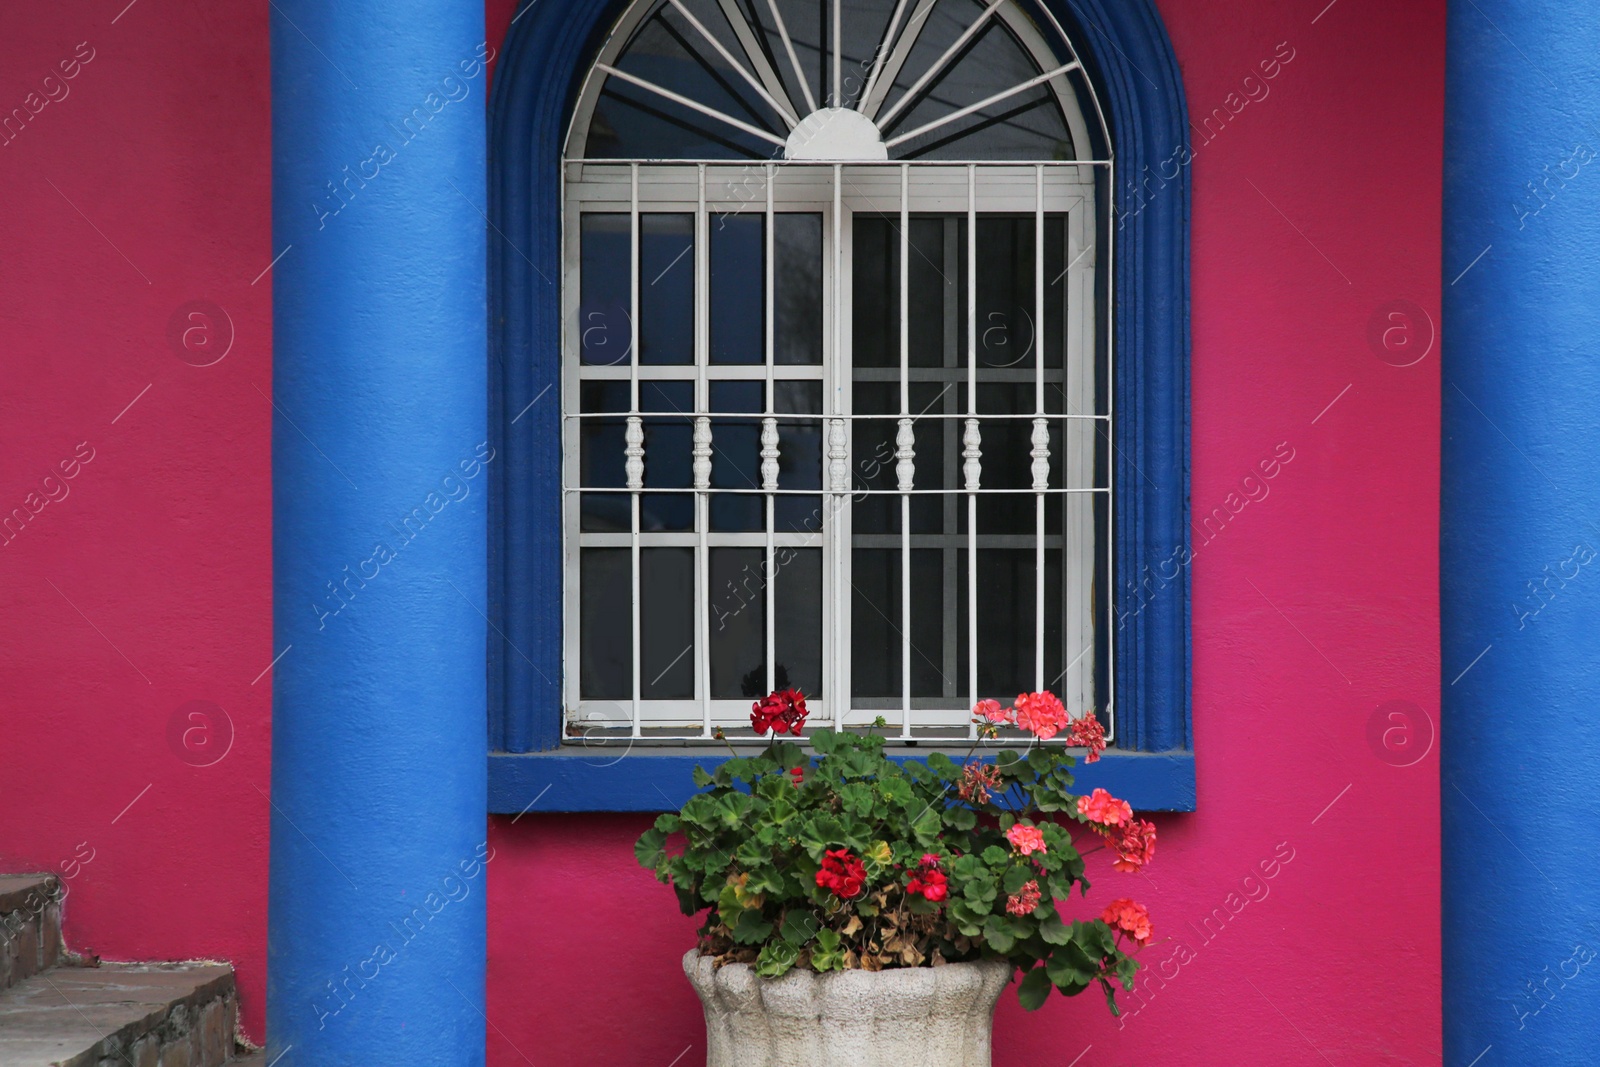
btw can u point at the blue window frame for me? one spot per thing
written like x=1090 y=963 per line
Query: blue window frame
x=548 y=51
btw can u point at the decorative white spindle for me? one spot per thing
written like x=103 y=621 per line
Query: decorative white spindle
x=972 y=455
x=769 y=455
x=1041 y=455
x=635 y=453
x=838 y=457
x=702 y=452
x=905 y=454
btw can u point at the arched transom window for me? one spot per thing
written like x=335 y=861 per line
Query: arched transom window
x=835 y=373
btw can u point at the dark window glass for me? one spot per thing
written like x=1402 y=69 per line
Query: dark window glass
x=738 y=620
x=738 y=281
x=601 y=458
x=666 y=623
x=668 y=455
x=736 y=458
x=606 y=668
x=799 y=456
x=797 y=284
x=666 y=289
x=797 y=630
x=604 y=313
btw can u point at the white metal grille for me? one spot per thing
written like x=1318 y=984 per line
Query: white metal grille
x=838 y=424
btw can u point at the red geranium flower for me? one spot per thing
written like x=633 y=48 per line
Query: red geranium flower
x=842 y=873
x=928 y=881
x=780 y=710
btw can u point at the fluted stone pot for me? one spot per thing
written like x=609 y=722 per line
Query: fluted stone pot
x=907 y=1017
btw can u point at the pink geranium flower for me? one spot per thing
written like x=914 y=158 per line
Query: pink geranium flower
x=1101 y=807
x=1026 y=839
x=1041 y=713
x=991 y=710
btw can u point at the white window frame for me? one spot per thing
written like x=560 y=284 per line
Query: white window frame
x=837 y=190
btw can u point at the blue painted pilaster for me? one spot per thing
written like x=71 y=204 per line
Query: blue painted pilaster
x=1520 y=547
x=380 y=468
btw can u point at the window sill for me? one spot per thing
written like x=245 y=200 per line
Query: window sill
x=657 y=778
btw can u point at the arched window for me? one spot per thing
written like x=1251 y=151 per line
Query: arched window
x=834 y=400
x=818 y=370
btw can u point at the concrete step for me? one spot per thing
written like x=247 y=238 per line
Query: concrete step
x=120 y=1015
x=30 y=925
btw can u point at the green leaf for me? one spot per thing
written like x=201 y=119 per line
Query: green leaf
x=926 y=828
x=799 y=926
x=701 y=778
x=962 y=819
x=827 y=955
x=776 y=958
x=997 y=934
x=1070 y=969
x=1034 y=989
x=1053 y=930
x=752 y=928
x=995 y=856
x=650 y=848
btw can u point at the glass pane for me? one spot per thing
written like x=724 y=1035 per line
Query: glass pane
x=798 y=626
x=668 y=455
x=634 y=122
x=799 y=455
x=931 y=291
x=601 y=459
x=875 y=290
x=1056 y=293
x=738 y=279
x=736 y=458
x=1005 y=292
x=666 y=623
x=738 y=622
x=604 y=313
x=605 y=577
x=797 y=280
x=874 y=456
x=1005 y=610
x=933 y=669
x=1029 y=125
x=875 y=623
x=666 y=289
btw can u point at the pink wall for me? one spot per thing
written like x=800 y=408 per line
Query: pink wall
x=1315 y=206
x=145 y=185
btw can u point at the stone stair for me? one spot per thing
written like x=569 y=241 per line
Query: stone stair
x=59 y=1010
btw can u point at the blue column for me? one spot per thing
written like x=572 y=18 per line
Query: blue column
x=1520 y=544
x=376 y=921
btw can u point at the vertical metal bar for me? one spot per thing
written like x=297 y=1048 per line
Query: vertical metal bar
x=839 y=472
x=1041 y=430
x=972 y=454
x=769 y=444
x=702 y=435
x=1111 y=431
x=904 y=451
x=635 y=444
x=838 y=51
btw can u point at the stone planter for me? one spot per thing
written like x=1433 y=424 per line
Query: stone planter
x=921 y=1016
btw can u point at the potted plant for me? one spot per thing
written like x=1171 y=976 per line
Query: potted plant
x=864 y=910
